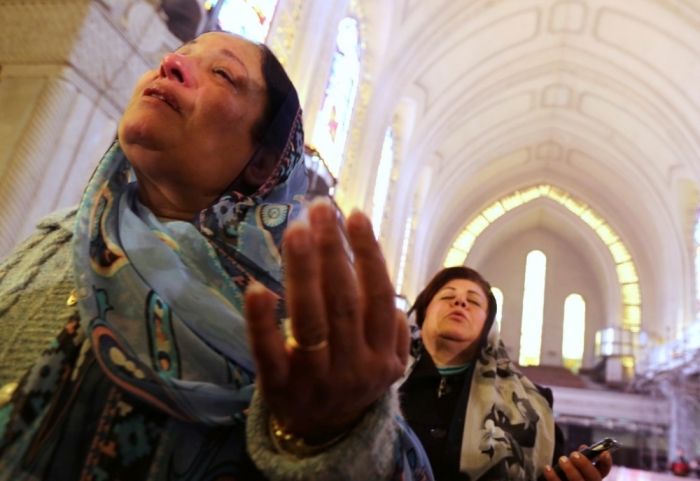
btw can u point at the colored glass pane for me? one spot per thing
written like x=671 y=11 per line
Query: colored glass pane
x=333 y=121
x=249 y=18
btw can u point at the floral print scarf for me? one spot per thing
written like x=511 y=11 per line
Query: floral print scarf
x=509 y=431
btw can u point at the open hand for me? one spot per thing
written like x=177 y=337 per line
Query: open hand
x=349 y=343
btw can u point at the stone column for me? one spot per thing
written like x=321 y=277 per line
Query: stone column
x=67 y=68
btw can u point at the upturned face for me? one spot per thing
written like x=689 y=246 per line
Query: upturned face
x=455 y=316
x=189 y=122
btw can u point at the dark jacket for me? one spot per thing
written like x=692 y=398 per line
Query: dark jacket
x=438 y=421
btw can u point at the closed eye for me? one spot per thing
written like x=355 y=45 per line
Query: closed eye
x=225 y=75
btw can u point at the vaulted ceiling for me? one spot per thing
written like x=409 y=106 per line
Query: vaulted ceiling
x=600 y=98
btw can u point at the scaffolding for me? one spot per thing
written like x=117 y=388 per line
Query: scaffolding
x=672 y=370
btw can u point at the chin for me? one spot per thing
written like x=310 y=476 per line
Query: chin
x=143 y=135
x=456 y=336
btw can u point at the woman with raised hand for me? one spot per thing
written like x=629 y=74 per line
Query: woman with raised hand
x=167 y=283
x=477 y=416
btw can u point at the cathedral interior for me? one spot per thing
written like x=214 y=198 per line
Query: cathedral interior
x=552 y=145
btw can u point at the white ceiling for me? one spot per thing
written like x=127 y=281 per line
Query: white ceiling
x=599 y=97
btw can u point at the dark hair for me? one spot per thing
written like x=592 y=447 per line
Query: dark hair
x=278 y=86
x=438 y=282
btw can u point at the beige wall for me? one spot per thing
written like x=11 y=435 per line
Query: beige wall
x=67 y=69
x=568 y=272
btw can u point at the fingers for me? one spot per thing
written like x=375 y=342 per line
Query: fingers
x=549 y=474
x=304 y=298
x=376 y=290
x=579 y=468
x=266 y=341
x=338 y=284
x=604 y=464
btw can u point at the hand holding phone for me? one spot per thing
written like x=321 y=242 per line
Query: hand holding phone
x=591 y=452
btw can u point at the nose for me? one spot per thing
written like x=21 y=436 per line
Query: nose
x=460 y=301
x=177 y=68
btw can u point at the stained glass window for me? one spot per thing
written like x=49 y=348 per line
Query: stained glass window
x=333 y=121
x=574 y=331
x=697 y=265
x=248 y=18
x=383 y=179
x=498 y=294
x=533 y=309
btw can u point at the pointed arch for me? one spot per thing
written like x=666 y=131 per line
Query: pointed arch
x=624 y=264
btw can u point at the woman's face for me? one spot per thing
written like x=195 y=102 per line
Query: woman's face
x=455 y=316
x=188 y=124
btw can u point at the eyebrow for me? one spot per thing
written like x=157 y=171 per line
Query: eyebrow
x=226 y=53
x=232 y=56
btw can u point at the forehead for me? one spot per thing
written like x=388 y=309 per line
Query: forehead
x=228 y=46
x=463 y=285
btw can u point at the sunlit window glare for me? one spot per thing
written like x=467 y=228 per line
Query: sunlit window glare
x=625 y=267
x=697 y=266
x=404 y=253
x=574 y=331
x=498 y=294
x=533 y=309
x=249 y=18
x=333 y=121
x=383 y=179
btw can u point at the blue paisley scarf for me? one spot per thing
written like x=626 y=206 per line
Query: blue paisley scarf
x=151 y=376
x=161 y=303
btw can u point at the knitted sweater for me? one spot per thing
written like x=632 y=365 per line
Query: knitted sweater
x=36 y=281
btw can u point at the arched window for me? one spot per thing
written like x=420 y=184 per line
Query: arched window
x=498 y=294
x=697 y=266
x=533 y=309
x=574 y=331
x=333 y=121
x=249 y=18
x=383 y=179
x=404 y=253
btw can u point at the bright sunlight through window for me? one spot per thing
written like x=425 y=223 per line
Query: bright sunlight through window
x=498 y=294
x=624 y=265
x=381 y=186
x=574 y=331
x=533 y=309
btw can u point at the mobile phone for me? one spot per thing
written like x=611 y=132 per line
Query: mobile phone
x=592 y=452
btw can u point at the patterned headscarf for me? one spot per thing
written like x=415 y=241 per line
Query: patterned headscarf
x=508 y=430
x=162 y=303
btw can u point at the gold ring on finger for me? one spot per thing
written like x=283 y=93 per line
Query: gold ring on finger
x=294 y=344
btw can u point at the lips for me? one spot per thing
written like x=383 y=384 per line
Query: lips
x=160 y=94
x=457 y=315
